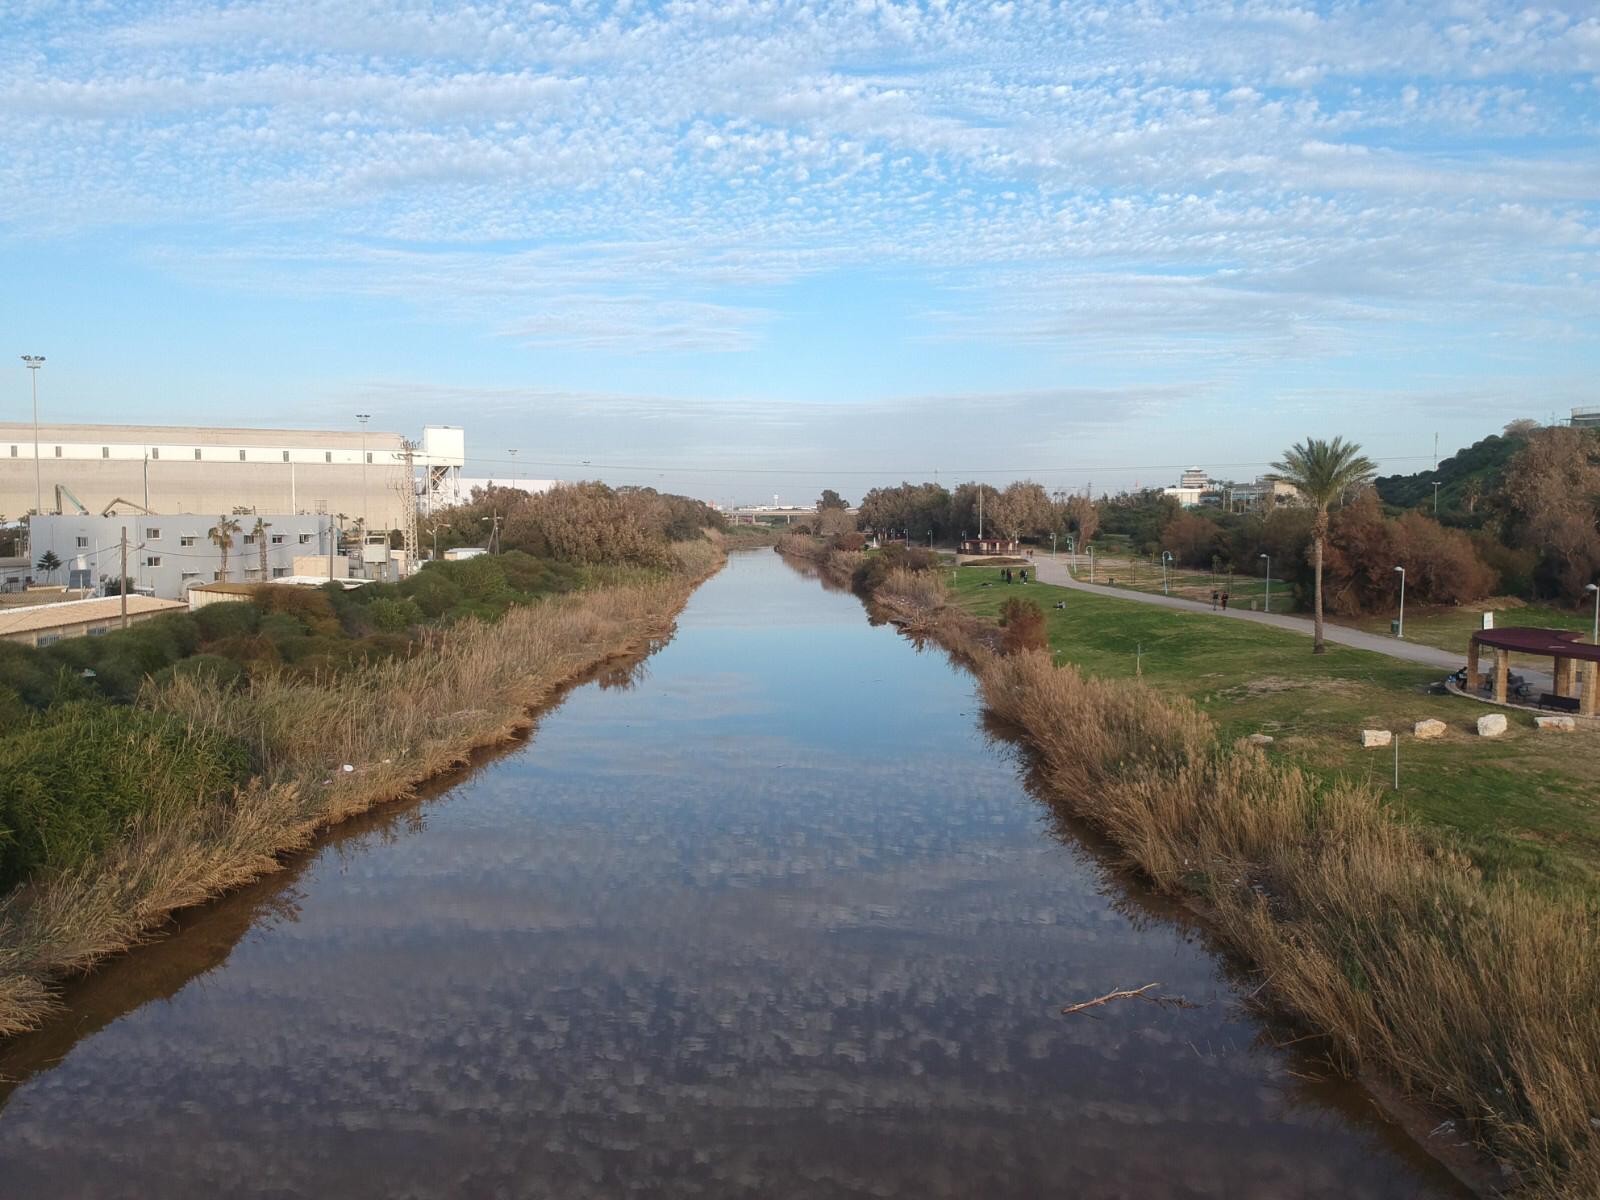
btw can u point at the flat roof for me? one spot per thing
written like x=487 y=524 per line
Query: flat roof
x=35 y=617
x=1558 y=643
x=196 y=435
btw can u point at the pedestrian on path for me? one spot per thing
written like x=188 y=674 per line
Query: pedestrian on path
x=1224 y=601
x=1213 y=599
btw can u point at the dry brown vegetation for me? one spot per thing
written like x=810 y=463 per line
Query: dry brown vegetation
x=397 y=722
x=1477 y=996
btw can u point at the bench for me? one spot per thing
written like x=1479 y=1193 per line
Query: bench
x=1559 y=703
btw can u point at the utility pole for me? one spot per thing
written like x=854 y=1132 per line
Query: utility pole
x=364 y=418
x=122 y=584
x=33 y=362
x=980 y=512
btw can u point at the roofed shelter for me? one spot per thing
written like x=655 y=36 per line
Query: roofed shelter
x=1560 y=644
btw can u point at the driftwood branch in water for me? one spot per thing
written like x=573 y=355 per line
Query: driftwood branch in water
x=1120 y=995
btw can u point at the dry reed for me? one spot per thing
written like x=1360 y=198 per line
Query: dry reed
x=397 y=723
x=1475 y=995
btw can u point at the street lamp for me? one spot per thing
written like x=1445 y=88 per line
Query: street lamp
x=33 y=362
x=1595 y=588
x=1436 y=497
x=1400 y=626
x=364 y=418
x=1166 y=557
x=515 y=476
x=1268 y=557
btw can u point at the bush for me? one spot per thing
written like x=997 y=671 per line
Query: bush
x=849 y=541
x=219 y=672
x=393 y=616
x=1024 y=625
x=281 y=626
x=225 y=619
x=71 y=783
x=312 y=606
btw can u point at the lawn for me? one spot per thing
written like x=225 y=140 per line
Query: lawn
x=1525 y=802
x=1449 y=628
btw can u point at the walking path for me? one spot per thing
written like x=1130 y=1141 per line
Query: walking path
x=1054 y=571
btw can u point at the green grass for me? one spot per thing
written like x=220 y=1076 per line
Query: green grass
x=1449 y=628
x=1524 y=802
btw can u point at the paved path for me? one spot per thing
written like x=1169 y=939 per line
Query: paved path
x=1055 y=571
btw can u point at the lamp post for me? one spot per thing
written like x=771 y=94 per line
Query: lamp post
x=1595 y=588
x=1166 y=557
x=1268 y=557
x=1400 y=626
x=515 y=474
x=364 y=418
x=33 y=362
x=1436 y=497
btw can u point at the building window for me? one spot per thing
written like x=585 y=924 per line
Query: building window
x=99 y=631
x=13 y=452
x=151 y=533
x=189 y=539
x=369 y=456
x=58 y=451
x=285 y=456
x=152 y=560
x=82 y=543
x=155 y=451
x=305 y=539
x=105 y=451
x=47 y=639
x=188 y=575
x=197 y=454
x=216 y=577
x=241 y=456
x=327 y=455
x=249 y=539
x=277 y=539
x=279 y=572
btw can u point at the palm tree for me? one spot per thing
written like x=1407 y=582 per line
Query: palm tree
x=222 y=534
x=1322 y=472
x=260 y=533
x=48 y=563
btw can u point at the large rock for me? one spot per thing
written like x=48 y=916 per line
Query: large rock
x=1492 y=726
x=1559 y=724
x=1373 y=738
x=1430 y=728
x=1265 y=739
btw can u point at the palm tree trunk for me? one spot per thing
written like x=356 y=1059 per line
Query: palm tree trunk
x=1318 y=646
x=225 y=565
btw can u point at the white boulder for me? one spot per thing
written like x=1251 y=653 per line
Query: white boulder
x=1559 y=724
x=1260 y=739
x=1373 y=738
x=1492 y=726
x=1430 y=728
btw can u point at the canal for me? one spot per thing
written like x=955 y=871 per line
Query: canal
x=772 y=914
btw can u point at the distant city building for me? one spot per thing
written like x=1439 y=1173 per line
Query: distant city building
x=1586 y=418
x=1189 y=497
x=1266 y=492
x=1194 y=477
x=93 y=469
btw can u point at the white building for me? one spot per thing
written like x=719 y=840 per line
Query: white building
x=367 y=475
x=1194 y=478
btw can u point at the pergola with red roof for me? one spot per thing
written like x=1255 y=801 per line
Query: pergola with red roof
x=1559 y=644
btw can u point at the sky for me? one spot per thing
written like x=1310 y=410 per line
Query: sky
x=742 y=250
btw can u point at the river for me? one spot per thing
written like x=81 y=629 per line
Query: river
x=771 y=914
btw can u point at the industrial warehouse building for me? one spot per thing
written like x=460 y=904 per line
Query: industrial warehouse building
x=370 y=476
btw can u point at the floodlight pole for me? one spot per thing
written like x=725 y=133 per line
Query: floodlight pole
x=1268 y=557
x=1400 y=628
x=33 y=362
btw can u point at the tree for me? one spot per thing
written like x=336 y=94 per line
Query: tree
x=221 y=535
x=831 y=499
x=1023 y=508
x=1323 y=472
x=260 y=534
x=1554 y=491
x=1082 y=519
x=48 y=563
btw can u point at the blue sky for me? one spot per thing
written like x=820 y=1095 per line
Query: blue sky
x=744 y=248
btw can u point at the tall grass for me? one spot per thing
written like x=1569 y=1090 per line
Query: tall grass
x=1477 y=996
x=396 y=722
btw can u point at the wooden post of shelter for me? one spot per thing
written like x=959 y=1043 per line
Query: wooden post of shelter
x=1562 y=681
x=1474 y=676
x=1502 y=672
x=1589 y=704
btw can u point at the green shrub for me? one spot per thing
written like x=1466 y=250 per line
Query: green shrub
x=227 y=618
x=393 y=616
x=220 y=672
x=71 y=781
x=312 y=606
x=434 y=592
x=281 y=626
x=1024 y=625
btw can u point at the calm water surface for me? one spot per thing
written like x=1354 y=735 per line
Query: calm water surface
x=774 y=916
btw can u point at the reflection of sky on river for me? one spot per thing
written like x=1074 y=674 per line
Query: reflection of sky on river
x=779 y=922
